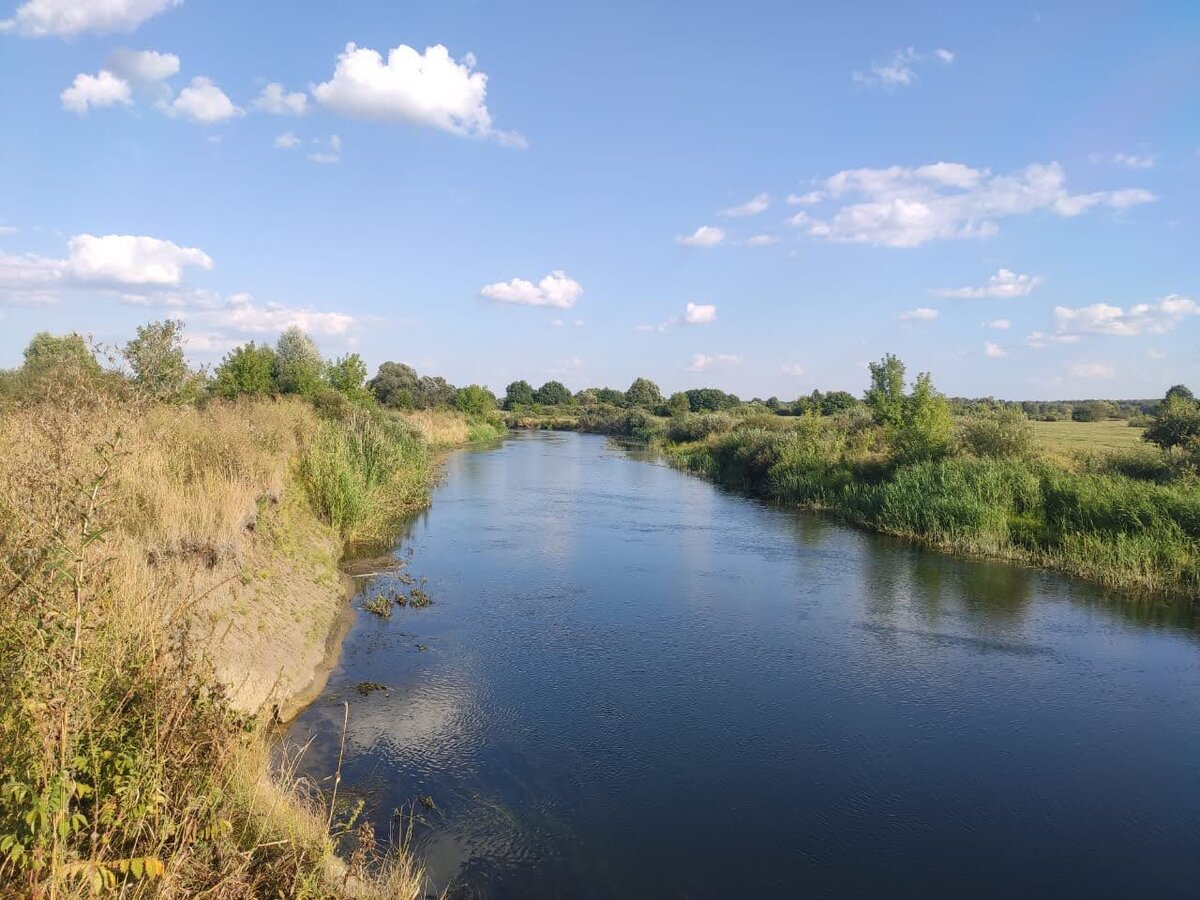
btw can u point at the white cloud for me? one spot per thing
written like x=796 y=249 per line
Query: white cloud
x=1128 y=160
x=102 y=89
x=999 y=324
x=899 y=69
x=700 y=313
x=287 y=141
x=1139 y=319
x=331 y=152
x=240 y=314
x=751 y=207
x=993 y=350
x=704 y=236
x=1039 y=340
x=798 y=220
x=68 y=18
x=793 y=369
x=275 y=100
x=1092 y=370
x=907 y=207
x=556 y=290
x=806 y=199
x=204 y=102
x=427 y=88
x=760 y=240
x=702 y=362
x=145 y=67
x=921 y=314
x=1005 y=283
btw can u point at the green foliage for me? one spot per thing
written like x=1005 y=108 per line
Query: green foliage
x=678 y=404
x=346 y=375
x=395 y=385
x=517 y=395
x=1093 y=411
x=157 y=360
x=553 y=393
x=247 y=371
x=885 y=396
x=644 y=393
x=476 y=401
x=1180 y=392
x=46 y=352
x=710 y=400
x=999 y=433
x=926 y=429
x=1176 y=422
x=299 y=366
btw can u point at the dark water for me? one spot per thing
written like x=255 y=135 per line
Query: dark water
x=637 y=685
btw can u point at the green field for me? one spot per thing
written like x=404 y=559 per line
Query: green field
x=1073 y=437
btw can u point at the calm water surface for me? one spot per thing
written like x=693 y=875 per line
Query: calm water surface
x=633 y=684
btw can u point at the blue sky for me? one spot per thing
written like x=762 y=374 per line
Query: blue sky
x=753 y=196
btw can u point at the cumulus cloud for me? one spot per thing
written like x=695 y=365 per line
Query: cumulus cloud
x=204 y=102
x=907 y=207
x=1139 y=319
x=693 y=314
x=69 y=18
x=101 y=89
x=1039 y=340
x=993 y=350
x=144 y=67
x=239 y=313
x=920 y=314
x=704 y=236
x=702 y=362
x=751 y=207
x=556 y=290
x=899 y=69
x=1005 y=283
x=999 y=324
x=287 y=141
x=1092 y=370
x=328 y=151
x=427 y=88
x=278 y=102
x=807 y=199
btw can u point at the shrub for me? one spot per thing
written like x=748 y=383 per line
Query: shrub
x=157 y=360
x=1004 y=432
x=643 y=392
x=246 y=371
x=553 y=393
x=476 y=401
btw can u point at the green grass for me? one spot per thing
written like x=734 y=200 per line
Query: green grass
x=1076 y=437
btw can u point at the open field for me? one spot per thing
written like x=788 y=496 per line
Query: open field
x=1072 y=437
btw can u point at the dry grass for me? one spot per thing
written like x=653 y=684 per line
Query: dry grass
x=440 y=428
x=122 y=769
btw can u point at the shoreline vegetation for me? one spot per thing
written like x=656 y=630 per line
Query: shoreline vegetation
x=172 y=544
x=974 y=477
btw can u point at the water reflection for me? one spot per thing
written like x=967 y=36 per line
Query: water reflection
x=633 y=684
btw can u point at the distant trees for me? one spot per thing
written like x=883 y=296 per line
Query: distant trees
x=710 y=400
x=1176 y=421
x=1093 y=411
x=299 y=366
x=553 y=393
x=518 y=394
x=644 y=393
x=156 y=358
x=475 y=400
x=246 y=370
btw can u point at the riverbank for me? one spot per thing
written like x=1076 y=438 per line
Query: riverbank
x=1127 y=519
x=173 y=586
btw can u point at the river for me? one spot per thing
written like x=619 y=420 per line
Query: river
x=631 y=683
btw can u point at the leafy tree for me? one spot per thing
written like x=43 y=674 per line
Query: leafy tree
x=926 y=428
x=434 y=392
x=643 y=392
x=346 y=375
x=518 y=394
x=711 y=400
x=246 y=370
x=553 y=393
x=46 y=351
x=678 y=404
x=157 y=360
x=1176 y=422
x=299 y=366
x=395 y=385
x=1000 y=432
x=610 y=395
x=835 y=402
x=475 y=400
x=1093 y=411
x=1181 y=391
x=885 y=396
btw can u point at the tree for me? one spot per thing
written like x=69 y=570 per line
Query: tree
x=1181 y=391
x=157 y=360
x=926 y=428
x=643 y=392
x=835 y=402
x=518 y=394
x=1000 y=432
x=434 y=392
x=711 y=400
x=395 y=385
x=246 y=371
x=45 y=352
x=347 y=374
x=678 y=404
x=553 y=393
x=1176 y=422
x=299 y=365
x=885 y=396
x=610 y=395
x=1093 y=411
x=475 y=400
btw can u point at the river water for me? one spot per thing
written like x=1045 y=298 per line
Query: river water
x=630 y=683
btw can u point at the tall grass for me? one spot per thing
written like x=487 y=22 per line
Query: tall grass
x=122 y=767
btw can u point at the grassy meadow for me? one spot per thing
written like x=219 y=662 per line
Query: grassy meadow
x=1069 y=437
